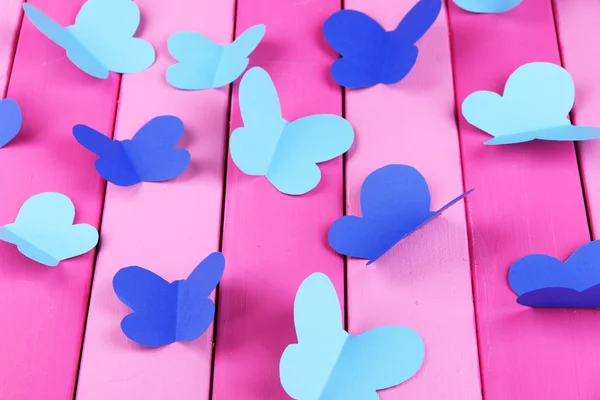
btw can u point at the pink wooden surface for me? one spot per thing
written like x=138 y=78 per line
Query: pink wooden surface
x=43 y=309
x=165 y=227
x=272 y=241
x=10 y=22
x=577 y=22
x=425 y=281
x=529 y=201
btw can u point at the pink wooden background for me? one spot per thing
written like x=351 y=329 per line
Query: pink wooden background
x=59 y=327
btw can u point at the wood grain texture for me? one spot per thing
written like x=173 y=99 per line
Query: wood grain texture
x=43 y=309
x=425 y=281
x=166 y=227
x=577 y=23
x=273 y=241
x=10 y=22
x=528 y=199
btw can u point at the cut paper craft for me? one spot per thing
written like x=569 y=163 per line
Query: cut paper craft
x=149 y=157
x=535 y=105
x=370 y=55
x=10 y=121
x=395 y=202
x=328 y=363
x=203 y=64
x=101 y=40
x=487 y=6
x=543 y=281
x=164 y=312
x=286 y=153
x=44 y=230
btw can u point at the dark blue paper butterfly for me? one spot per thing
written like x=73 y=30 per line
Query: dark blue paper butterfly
x=10 y=121
x=165 y=312
x=370 y=55
x=395 y=202
x=149 y=157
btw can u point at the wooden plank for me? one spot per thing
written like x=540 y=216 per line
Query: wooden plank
x=272 y=241
x=44 y=308
x=528 y=199
x=425 y=281
x=10 y=22
x=576 y=24
x=165 y=227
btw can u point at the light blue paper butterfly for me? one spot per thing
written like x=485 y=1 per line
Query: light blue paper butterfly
x=44 y=230
x=330 y=364
x=285 y=152
x=487 y=6
x=101 y=40
x=535 y=105
x=203 y=64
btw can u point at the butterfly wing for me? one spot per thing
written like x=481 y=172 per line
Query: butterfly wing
x=76 y=51
x=113 y=163
x=106 y=28
x=234 y=59
x=363 y=45
x=11 y=120
x=44 y=230
x=418 y=20
x=489 y=6
x=305 y=367
x=195 y=311
x=378 y=359
x=198 y=60
x=154 y=304
x=252 y=146
x=152 y=150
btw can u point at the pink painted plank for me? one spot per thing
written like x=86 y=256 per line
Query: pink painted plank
x=528 y=199
x=425 y=281
x=165 y=227
x=272 y=241
x=10 y=22
x=43 y=309
x=577 y=22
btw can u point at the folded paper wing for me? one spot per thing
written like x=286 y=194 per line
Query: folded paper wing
x=543 y=281
x=535 y=104
x=203 y=64
x=44 y=232
x=11 y=120
x=395 y=202
x=329 y=363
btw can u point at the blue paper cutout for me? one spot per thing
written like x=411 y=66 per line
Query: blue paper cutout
x=44 y=230
x=101 y=40
x=286 y=153
x=149 y=157
x=164 y=312
x=395 y=202
x=535 y=105
x=543 y=281
x=203 y=64
x=10 y=121
x=329 y=363
x=370 y=55
x=487 y=6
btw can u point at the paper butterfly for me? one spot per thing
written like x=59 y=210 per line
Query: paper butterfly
x=285 y=152
x=329 y=363
x=543 y=281
x=165 y=312
x=370 y=55
x=204 y=64
x=10 y=121
x=44 y=230
x=535 y=105
x=101 y=40
x=149 y=157
x=395 y=202
x=487 y=6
